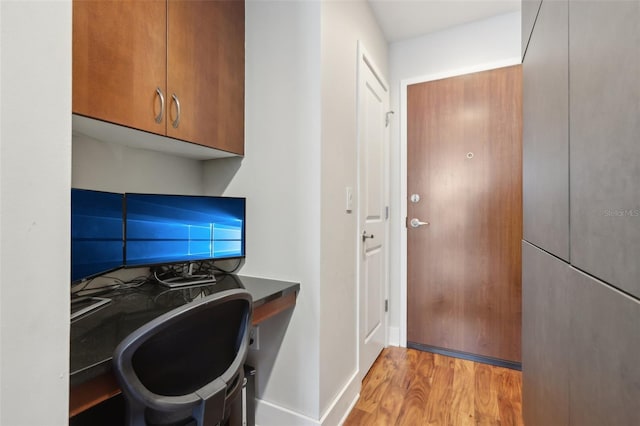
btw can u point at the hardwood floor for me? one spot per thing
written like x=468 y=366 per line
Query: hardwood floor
x=409 y=387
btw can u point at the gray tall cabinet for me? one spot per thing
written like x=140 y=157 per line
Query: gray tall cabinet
x=581 y=199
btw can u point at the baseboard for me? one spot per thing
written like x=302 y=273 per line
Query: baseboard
x=464 y=355
x=269 y=414
x=341 y=406
x=394 y=336
x=346 y=414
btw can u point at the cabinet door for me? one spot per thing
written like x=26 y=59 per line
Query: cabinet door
x=546 y=132
x=528 y=14
x=605 y=140
x=119 y=60
x=206 y=72
x=605 y=342
x=545 y=336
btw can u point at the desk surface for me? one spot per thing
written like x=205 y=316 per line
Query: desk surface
x=96 y=335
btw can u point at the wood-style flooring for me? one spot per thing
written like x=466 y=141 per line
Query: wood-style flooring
x=410 y=387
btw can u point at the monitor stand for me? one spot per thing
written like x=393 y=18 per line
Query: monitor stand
x=187 y=280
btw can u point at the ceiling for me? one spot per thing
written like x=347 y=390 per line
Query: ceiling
x=403 y=19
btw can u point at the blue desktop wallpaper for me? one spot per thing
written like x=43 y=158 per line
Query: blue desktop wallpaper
x=96 y=232
x=176 y=228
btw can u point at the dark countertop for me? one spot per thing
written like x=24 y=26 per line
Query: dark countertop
x=95 y=335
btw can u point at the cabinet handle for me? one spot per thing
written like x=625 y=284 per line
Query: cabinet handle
x=176 y=123
x=161 y=96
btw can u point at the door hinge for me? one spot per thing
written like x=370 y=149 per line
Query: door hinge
x=386 y=305
x=386 y=212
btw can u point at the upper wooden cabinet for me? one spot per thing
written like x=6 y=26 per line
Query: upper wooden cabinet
x=119 y=60
x=173 y=68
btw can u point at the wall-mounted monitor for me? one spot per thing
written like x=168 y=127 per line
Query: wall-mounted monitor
x=163 y=229
x=96 y=233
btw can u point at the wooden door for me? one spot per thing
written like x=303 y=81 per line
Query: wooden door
x=206 y=73
x=373 y=104
x=464 y=163
x=119 y=61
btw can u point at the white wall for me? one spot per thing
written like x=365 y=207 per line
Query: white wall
x=445 y=53
x=280 y=176
x=344 y=23
x=301 y=75
x=35 y=173
x=118 y=168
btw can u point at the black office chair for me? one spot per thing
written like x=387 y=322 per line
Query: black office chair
x=186 y=366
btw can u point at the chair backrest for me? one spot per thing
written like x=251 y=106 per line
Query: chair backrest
x=185 y=366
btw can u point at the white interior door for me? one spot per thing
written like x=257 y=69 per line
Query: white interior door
x=373 y=101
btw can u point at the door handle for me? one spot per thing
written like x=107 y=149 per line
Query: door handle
x=416 y=223
x=176 y=122
x=365 y=236
x=161 y=114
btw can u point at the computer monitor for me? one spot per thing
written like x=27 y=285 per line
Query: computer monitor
x=165 y=229
x=96 y=233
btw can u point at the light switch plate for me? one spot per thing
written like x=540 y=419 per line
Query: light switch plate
x=348 y=199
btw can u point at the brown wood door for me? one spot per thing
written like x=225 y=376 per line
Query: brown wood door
x=206 y=73
x=465 y=164
x=119 y=60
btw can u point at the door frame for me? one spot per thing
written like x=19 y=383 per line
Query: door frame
x=364 y=59
x=402 y=201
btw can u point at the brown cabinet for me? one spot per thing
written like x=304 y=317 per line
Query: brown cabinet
x=173 y=68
